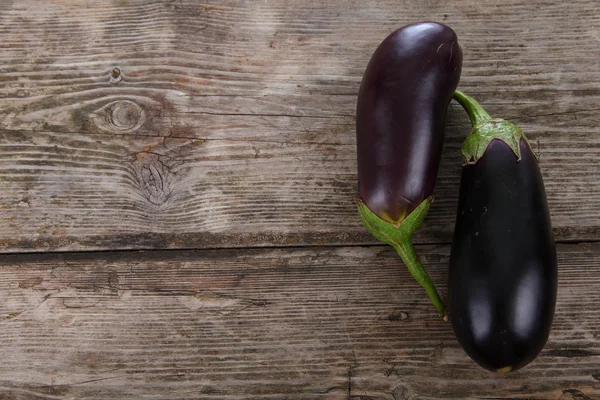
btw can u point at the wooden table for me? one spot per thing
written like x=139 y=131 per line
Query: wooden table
x=176 y=200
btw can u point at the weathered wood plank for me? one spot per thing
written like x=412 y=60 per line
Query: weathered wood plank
x=79 y=191
x=328 y=323
x=257 y=102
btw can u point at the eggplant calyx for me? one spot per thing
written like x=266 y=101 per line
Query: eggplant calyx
x=399 y=236
x=482 y=135
x=486 y=129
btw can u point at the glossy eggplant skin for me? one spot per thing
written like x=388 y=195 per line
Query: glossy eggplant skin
x=503 y=268
x=400 y=117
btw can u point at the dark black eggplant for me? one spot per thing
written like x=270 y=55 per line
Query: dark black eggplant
x=503 y=268
x=400 y=117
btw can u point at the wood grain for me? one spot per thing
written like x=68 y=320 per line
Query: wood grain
x=178 y=124
x=306 y=323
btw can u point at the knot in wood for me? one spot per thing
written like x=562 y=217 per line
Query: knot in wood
x=155 y=176
x=403 y=392
x=122 y=116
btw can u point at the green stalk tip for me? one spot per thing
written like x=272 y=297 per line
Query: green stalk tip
x=476 y=113
x=406 y=251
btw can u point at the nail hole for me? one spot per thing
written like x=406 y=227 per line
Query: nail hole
x=115 y=76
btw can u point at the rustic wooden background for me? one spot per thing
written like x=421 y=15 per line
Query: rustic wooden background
x=176 y=200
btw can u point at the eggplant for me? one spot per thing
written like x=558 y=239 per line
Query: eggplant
x=400 y=117
x=503 y=269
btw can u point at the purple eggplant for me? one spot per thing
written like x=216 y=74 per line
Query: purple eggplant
x=503 y=269
x=400 y=119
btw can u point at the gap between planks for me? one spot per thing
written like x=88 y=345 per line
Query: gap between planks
x=249 y=248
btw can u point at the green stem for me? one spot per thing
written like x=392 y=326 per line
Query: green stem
x=476 y=113
x=406 y=251
x=485 y=130
x=399 y=236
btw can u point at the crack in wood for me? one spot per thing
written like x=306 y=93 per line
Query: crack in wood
x=332 y=116
x=350 y=382
x=138 y=135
